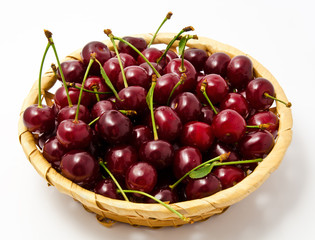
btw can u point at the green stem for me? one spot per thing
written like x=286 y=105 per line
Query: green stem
x=168 y=16
x=260 y=126
x=50 y=40
x=86 y=90
x=183 y=78
x=144 y=58
x=288 y=104
x=96 y=94
x=159 y=201
x=115 y=181
x=82 y=86
x=40 y=76
x=237 y=162
x=108 y=32
x=93 y=121
x=155 y=134
x=170 y=44
x=128 y=112
x=203 y=90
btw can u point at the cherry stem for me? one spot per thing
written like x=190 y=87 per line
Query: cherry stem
x=128 y=112
x=96 y=94
x=92 y=58
x=182 y=66
x=108 y=32
x=51 y=42
x=40 y=76
x=159 y=201
x=115 y=181
x=144 y=58
x=170 y=44
x=183 y=78
x=86 y=90
x=220 y=158
x=203 y=90
x=262 y=126
x=93 y=121
x=288 y=104
x=168 y=16
x=154 y=79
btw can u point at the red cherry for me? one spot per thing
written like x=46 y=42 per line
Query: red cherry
x=61 y=100
x=70 y=112
x=164 y=194
x=217 y=63
x=236 y=102
x=107 y=188
x=140 y=135
x=95 y=83
x=266 y=117
x=135 y=76
x=100 y=107
x=197 y=57
x=229 y=175
x=73 y=71
x=53 y=151
x=152 y=55
x=138 y=42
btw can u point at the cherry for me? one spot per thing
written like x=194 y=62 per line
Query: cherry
x=102 y=54
x=197 y=134
x=202 y=187
x=165 y=194
x=168 y=123
x=164 y=87
x=80 y=167
x=127 y=59
x=187 y=106
x=207 y=114
x=229 y=175
x=39 y=119
x=197 y=57
x=228 y=126
x=266 y=117
x=100 y=107
x=256 y=144
x=74 y=134
x=114 y=127
x=138 y=42
x=158 y=153
x=119 y=159
x=174 y=66
x=53 y=151
x=170 y=55
x=217 y=64
x=240 y=71
x=186 y=158
x=135 y=76
x=236 y=102
x=107 y=188
x=140 y=135
x=61 y=100
x=73 y=71
x=220 y=148
x=149 y=70
x=216 y=88
x=141 y=176
x=152 y=54
x=70 y=112
x=132 y=98
x=112 y=69
x=97 y=84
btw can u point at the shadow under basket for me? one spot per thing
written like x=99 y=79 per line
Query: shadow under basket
x=107 y=210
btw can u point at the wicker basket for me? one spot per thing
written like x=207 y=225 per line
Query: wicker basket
x=155 y=215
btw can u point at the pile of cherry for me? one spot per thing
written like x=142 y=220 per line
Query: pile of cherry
x=167 y=127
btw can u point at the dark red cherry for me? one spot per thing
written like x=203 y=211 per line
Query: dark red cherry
x=95 y=83
x=112 y=69
x=74 y=134
x=135 y=76
x=170 y=55
x=138 y=42
x=70 y=112
x=164 y=87
x=217 y=64
x=174 y=66
x=132 y=98
x=197 y=57
x=152 y=55
x=207 y=114
x=62 y=101
x=39 y=119
x=186 y=158
x=216 y=89
x=73 y=71
x=255 y=93
x=141 y=176
x=119 y=159
x=202 y=187
x=158 y=153
x=53 y=151
x=164 y=194
x=228 y=126
x=187 y=106
x=236 y=102
x=240 y=71
x=220 y=148
x=102 y=54
x=229 y=175
x=149 y=70
x=114 y=127
x=80 y=167
x=100 y=107
x=256 y=144
x=107 y=188
x=140 y=135
x=127 y=59
x=168 y=123
x=197 y=134
x=266 y=117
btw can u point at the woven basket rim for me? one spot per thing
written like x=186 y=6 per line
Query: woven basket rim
x=192 y=208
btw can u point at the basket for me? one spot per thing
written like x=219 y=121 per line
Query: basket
x=107 y=210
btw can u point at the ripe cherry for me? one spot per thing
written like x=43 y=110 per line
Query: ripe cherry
x=107 y=188
x=73 y=71
x=53 y=151
x=266 y=117
x=207 y=114
x=197 y=57
x=152 y=54
x=127 y=59
x=236 y=102
x=135 y=76
x=140 y=135
x=61 y=100
x=229 y=175
x=165 y=194
x=149 y=70
x=138 y=42
x=112 y=69
x=217 y=64
x=100 y=107
x=70 y=112
x=95 y=83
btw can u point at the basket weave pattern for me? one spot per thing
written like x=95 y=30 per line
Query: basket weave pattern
x=156 y=215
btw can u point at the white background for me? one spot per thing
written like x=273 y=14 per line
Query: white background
x=279 y=34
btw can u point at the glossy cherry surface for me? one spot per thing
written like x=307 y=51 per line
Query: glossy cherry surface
x=107 y=188
x=73 y=71
x=164 y=194
x=53 y=151
x=229 y=175
x=138 y=42
x=217 y=64
x=132 y=98
x=266 y=117
x=207 y=114
x=70 y=112
x=135 y=76
x=100 y=107
x=152 y=54
x=140 y=135
x=95 y=83
x=61 y=100
x=236 y=102
x=197 y=57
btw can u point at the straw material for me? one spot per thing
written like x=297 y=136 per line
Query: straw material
x=155 y=215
